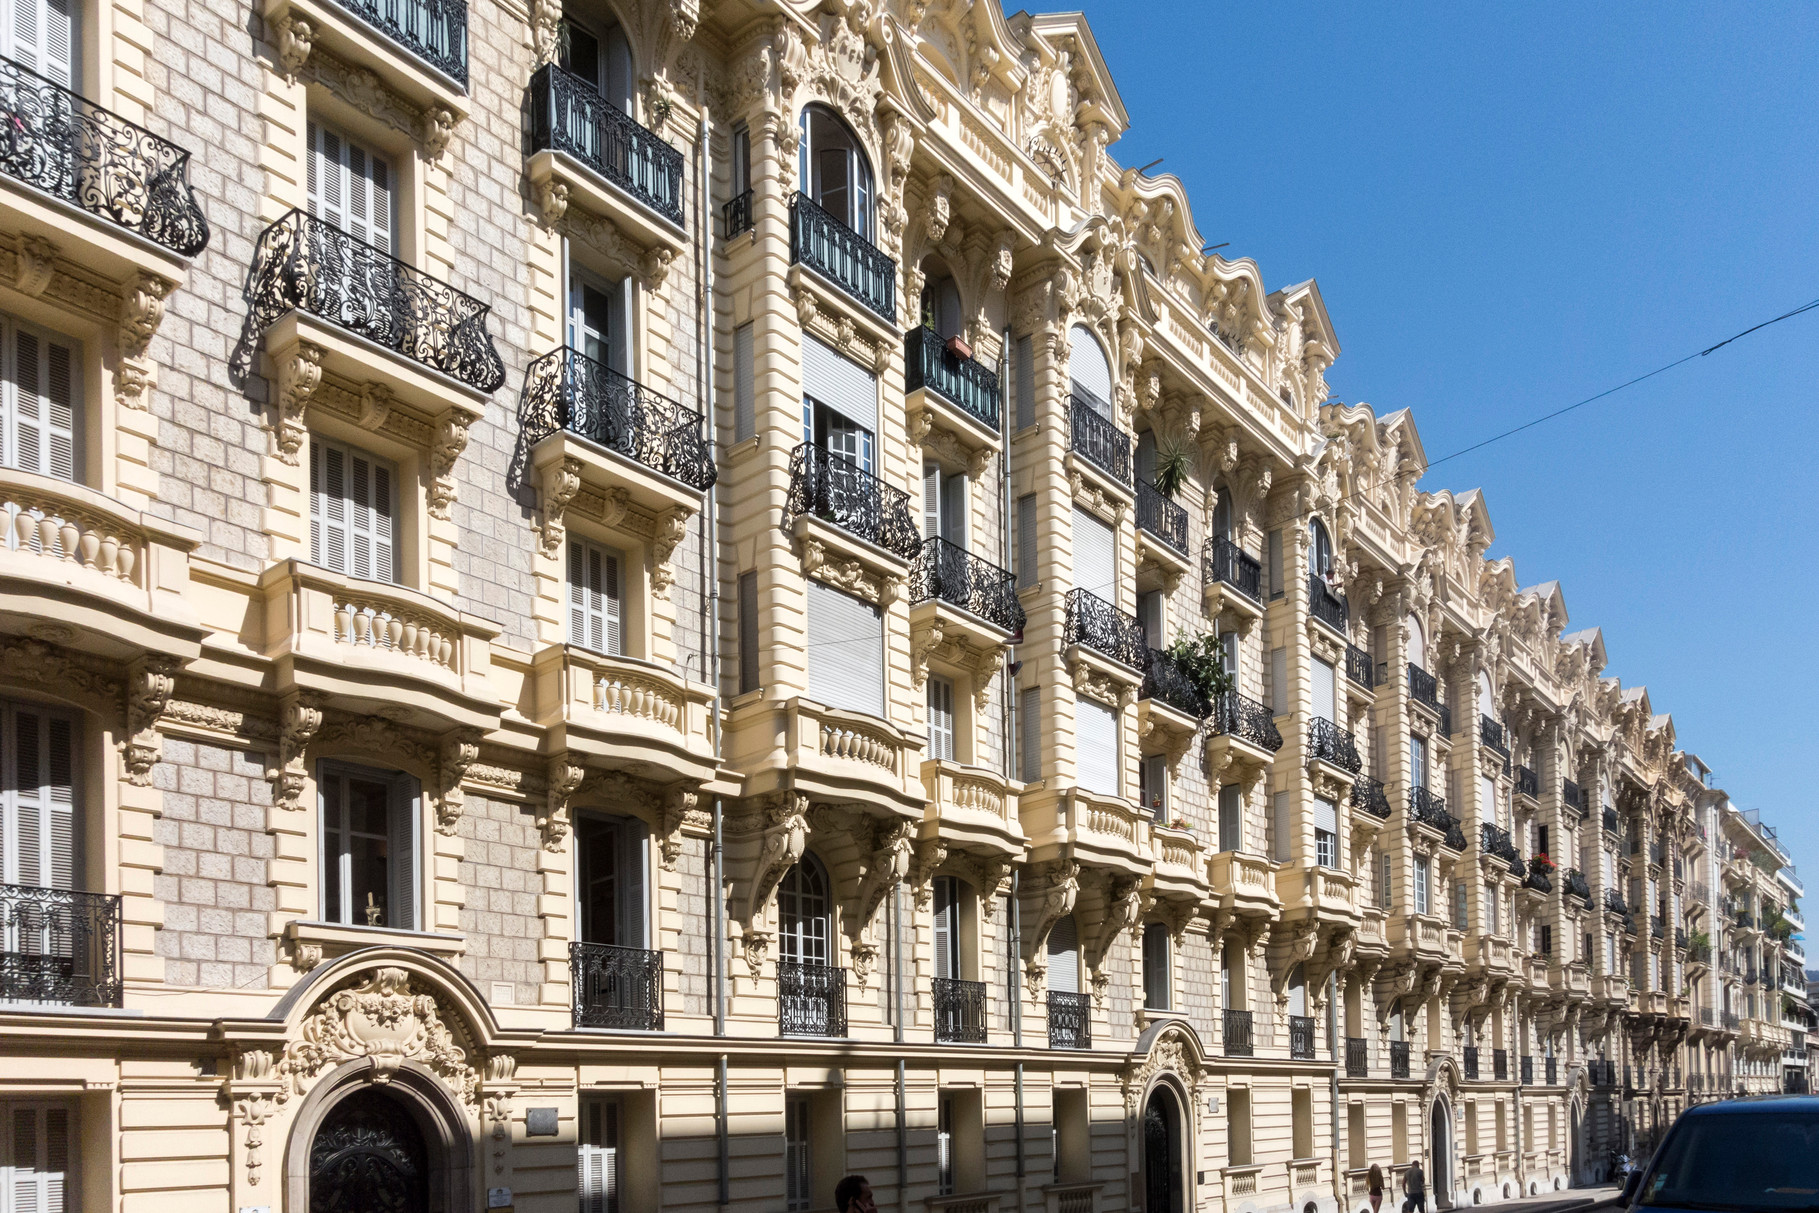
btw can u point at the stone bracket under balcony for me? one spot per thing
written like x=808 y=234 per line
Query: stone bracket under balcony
x=972 y=809
x=957 y=642
x=1159 y=565
x=375 y=649
x=829 y=754
x=630 y=715
x=81 y=570
x=1243 y=883
x=432 y=80
x=634 y=239
x=577 y=478
x=1164 y=729
x=952 y=402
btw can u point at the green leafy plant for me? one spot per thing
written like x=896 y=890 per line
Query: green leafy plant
x=1698 y=941
x=1201 y=658
x=1174 y=464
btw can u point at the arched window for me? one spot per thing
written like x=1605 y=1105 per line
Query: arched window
x=1297 y=991
x=1487 y=697
x=1417 y=642
x=835 y=173
x=1156 y=979
x=1089 y=373
x=802 y=913
x=1222 y=511
x=1321 y=548
x=940 y=305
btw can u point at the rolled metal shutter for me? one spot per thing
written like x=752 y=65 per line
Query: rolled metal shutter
x=1095 y=556
x=1064 y=957
x=840 y=383
x=1087 y=369
x=1096 y=738
x=845 y=651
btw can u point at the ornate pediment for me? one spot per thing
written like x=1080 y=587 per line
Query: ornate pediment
x=386 y=1019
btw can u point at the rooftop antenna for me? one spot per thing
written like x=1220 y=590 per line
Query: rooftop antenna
x=1211 y=247
x=1152 y=164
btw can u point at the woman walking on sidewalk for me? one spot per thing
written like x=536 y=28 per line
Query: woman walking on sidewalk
x=1374 y=1181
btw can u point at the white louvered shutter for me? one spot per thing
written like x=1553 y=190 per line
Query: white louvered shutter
x=37 y=1158
x=845 y=651
x=1096 y=734
x=745 y=399
x=350 y=187
x=1029 y=734
x=946 y=916
x=39 y=401
x=328 y=506
x=596 y=603
x=401 y=875
x=352 y=513
x=38 y=833
x=371 y=535
x=931 y=500
x=1095 y=562
x=1064 y=957
x=43 y=35
x=1026 y=540
x=941 y=718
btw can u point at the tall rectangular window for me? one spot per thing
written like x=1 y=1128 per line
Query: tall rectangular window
x=1274 y=552
x=596 y=599
x=748 y=632
x=1417 y=761
x=1026 y=540
x=742 y=159
x=40 y=399
x=350 y=187
x=1385 y=885
x=798 y=1166
x=1096 y=746
x=1421 y=879
x=1029 y=734
x=597 y=1156
x=45 y=36
x=845 y=651
x=941 y=719
x=1023 y=374
x=944 y=1146
x=1156 y=967
x=1490 y=909
x=1326 y=833
x=1231 y=817
x=1459 y=897
x=745 y=389
x=38 y=819
x=1152 y=774
x=1283 y=850
x=352 y=512
x=369 y=847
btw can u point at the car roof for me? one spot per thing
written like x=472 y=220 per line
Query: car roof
x=1756 y=1103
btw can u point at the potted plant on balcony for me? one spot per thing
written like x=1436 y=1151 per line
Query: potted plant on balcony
x=1201 y=659
x=1541 y=863
x=1174 y=464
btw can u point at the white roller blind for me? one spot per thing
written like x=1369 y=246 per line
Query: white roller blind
x=1095 y=556
x=840 y=383
x=596 y=605
x=39 y=400
x=1326 y=816
x=1279 y=700
x=1231 y=818
x=1088 y=369
x=1284 y=826
x=43 y=35
x=1029 y=734
x=845 y=651
x=744 y=388
x=350 y=187
x=1064 y=957
x=1096 y=738
x=1026 y=540
x=35 y=1158
x=1324 y=688
x=37 y=798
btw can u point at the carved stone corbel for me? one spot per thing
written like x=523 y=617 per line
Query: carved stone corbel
x=299 y=375
x=295 y=37
x=149 y=684
x=459 y=751
x=561 y=481
x=678 y=804
x=888 y=864
x=35 y=266
x=1057 y=883
x=375 y=406
x=785 y=837
x=565 y=776
x=671 y=529
x=930 y=854
x=438 y=130
x=142 y=310
x=252 y=1092
x=552 y=202
x=299 y=720
x=924 y=640
x=450 y=441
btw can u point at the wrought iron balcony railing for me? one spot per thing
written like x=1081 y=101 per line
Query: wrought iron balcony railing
x=616 y=987
x=1330 y=743
x=1368 y=795
x=1327 y=604
x=1358 y=666
x=435 y=31
x=1455 y=837
x=1601 y=1073
x=1070 y=1020
x=811 y=999
x=1246 y=719
x=304 y=264
x=1613 y=901
x=1102 y=627
x=947 y=572
x=1569 y=795
x=1301 y=1037
x=1538 y=880
x=1446 y=720
x=1164 y=681
x=59 y=946
x=1158 y=516
x=1527 y=1070
x=968 y=384
x=1429 y=809
x=836 y=490
x=1553 y=1071
x=61 y=143
x=1527 y=782
x=1097 y=440
x=569 y=115
x=1423 y=687
x=1680 y=938
x=1229 y=564
x=1576 y=885
x=959 y=1011
x=1398 y=1059
x=1357 y=1057
x=1238 y=1041
x=1470 y=1053
x=1495 y=840
x=567 y=390
x=843 y=257
x=1492 y=733
x=1611 y=825
x=1657 y=926
x=736 y=214
x=1729 y=1020
x=1500 y=1064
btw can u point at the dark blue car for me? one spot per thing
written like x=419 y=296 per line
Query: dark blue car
x=1741 y=1156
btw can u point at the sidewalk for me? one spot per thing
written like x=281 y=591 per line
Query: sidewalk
x=1559 y=1202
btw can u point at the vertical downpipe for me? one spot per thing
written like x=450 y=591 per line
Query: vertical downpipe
x=897 y=1035
x=1332 y=1051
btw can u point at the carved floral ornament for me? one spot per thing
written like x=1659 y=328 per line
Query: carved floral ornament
x=1173 y=1052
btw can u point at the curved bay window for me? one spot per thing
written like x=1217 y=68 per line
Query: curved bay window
x=369 y=846
x=835 y=173
x=811 y=993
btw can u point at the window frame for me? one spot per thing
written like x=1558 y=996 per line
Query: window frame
x=404 y=818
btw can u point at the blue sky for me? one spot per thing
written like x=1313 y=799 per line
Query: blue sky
x=1509 y=208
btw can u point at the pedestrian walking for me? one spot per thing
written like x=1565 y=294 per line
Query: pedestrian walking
x=1375 y=1181
x=1414 y=1189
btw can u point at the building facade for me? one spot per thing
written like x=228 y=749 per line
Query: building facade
x=651 y=602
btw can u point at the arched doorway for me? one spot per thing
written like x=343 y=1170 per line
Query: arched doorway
x=368 y=1156
x=1575 y=1144
x=1440 y=1152
x=1164 y=1186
